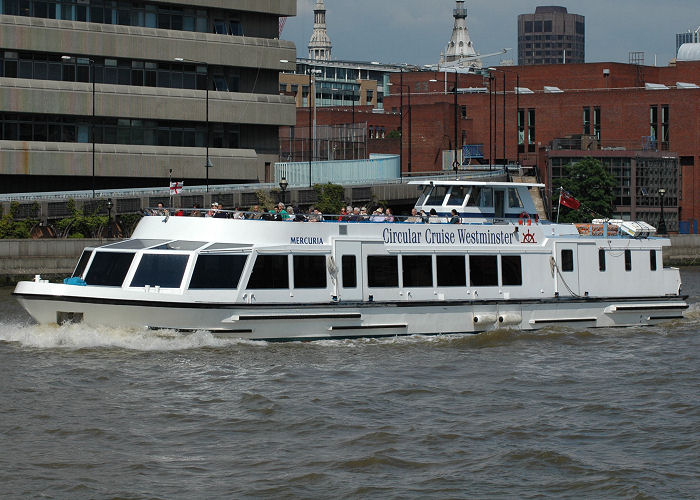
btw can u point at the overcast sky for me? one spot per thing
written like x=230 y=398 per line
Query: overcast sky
x=416 y=31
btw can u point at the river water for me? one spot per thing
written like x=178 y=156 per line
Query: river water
x=100 y=413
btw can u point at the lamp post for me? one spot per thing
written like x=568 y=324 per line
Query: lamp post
x=312 y=145
x=283 y=187
x=207 y=162
x=410 y=131
x=504 y=114
x=662 y=222
x=110 y=234
x=91 y=76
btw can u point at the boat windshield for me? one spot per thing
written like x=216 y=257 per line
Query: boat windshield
x=133 y=244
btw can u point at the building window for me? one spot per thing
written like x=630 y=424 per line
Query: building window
x=664 y=128
x=587 y=121
x=596 y=122
x=521 y=130
x=654 y=125
x=463 y=110
x=531 y=130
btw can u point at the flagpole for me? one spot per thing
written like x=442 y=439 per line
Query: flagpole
x=561 y=188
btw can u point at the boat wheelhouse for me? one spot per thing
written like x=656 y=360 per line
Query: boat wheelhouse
x=500 y=266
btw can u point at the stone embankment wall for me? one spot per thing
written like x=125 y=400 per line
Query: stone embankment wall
x=56 y=258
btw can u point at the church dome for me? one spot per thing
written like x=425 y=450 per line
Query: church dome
x=689 y=52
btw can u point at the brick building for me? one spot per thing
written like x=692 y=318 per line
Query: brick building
x=607 y=110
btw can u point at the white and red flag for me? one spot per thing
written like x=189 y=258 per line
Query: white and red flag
x=176 y=187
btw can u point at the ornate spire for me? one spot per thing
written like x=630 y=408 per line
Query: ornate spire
x=320 y=43
x=460 y=49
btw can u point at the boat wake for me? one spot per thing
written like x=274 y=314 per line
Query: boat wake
x=81 y=336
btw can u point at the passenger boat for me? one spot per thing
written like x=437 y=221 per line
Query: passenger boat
x=501 y=266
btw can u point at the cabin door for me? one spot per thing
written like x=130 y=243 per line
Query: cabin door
x=499 y=203
x=567 y=279
x=348 y=260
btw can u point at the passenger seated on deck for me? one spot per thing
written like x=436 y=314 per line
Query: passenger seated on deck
x=355 y=215
x=434 y=219
x=414 y=217
x=196 y=211
x=160 y=210
x=378 y=215
x=423 y=216
x=455 y=219
x=389 y=215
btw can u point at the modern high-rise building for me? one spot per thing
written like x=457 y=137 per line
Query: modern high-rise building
x=105 y=94
x=687 y=37
x=551 y=36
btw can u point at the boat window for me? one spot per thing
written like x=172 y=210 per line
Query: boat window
x=601 y=259
x=451 y=270
x=217 y=271
x=109 y=268
x=483 y=270
x=486 y=197
x=417 y=270
x=309 y=271
x=652 y=260
x=511 y=270
x=457 y=195
x=474 y=197
x=382 y=271
x=180 y=245
x=567 y=260
x=437 y=195
x=134 y=244
x=349 y=271
x=269 y=271
x=628 y=260
x=163 y=270
x=514 y=200
x=82 y=263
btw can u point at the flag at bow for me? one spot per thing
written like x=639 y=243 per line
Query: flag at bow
x=176 y=187
x=567 y=200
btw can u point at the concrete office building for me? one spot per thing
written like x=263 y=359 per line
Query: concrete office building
x=551 y=36
x=103 y=94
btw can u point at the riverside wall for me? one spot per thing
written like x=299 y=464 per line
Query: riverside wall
x=56 y=258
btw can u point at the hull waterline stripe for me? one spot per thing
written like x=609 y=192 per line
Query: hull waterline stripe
x=562 y=320
x=300 y=316
x=452 y=303
x=647 y=308
x=367 y=327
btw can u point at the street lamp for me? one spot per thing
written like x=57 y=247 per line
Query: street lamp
x=91 y=70
x=207 y=162
x=662 y=222
x=312 y=145
x=109 y=218
x=283 y=186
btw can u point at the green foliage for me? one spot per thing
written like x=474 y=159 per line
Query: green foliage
x=10 y=228
x=81 y=225
x=393 y=134
x=330 y=197
x=591 y=184
x=127 y=223
x=265 y=200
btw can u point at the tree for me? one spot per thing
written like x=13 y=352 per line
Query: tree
x=592 y=185
x=330 y=197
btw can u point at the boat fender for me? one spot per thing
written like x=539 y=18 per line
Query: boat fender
x=511 y=318
x=484 y=319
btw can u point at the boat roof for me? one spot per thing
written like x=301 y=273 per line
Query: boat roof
x=476 y=183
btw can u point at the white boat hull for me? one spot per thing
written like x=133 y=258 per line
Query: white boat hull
x=343 y=320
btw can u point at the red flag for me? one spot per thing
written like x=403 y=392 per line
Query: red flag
x=568 y=201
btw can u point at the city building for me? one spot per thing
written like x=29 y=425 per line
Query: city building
x=97 y=95
x=687 y=37
x=551 y=36
x=320 y=44
x=460 y=51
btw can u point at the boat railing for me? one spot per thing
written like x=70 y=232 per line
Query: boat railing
x=336 y=218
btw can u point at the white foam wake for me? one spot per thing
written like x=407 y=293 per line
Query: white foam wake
x=81 y=336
